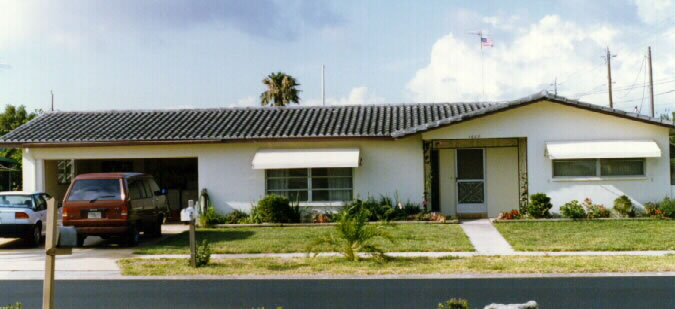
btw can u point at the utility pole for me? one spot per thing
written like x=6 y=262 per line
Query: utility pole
x=323 y=85
x=609 y=77
x=651 y=80
x=52 y=91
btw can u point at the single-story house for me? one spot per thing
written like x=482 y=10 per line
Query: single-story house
x=468 y=159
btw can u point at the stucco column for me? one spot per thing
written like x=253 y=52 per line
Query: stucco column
x=33 y=172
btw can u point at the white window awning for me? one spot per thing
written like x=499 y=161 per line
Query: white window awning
x=602 y=149
x=305 y=158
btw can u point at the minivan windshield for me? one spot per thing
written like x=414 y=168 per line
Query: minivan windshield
x=16 y=201
x=96 y=190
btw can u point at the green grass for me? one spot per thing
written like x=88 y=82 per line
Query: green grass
x=620 y=235
x=411 y=237
x=449 y=265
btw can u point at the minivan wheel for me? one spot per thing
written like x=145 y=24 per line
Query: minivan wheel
x=133 y=236
x=35 y=236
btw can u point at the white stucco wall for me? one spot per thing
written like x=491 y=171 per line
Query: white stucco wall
x=387 y=167
x=545 y=121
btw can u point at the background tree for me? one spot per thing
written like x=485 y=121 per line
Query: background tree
x=12 y=118
x=281 y=90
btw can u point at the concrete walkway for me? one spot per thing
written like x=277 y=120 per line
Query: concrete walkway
x=485 y=237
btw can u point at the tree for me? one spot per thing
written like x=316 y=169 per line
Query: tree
x=281 y=90
x=12 y=118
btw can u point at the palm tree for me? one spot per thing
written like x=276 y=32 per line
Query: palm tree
x=281 y=90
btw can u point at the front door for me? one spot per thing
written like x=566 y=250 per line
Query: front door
x=471 y=181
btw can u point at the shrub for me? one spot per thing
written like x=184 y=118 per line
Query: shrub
x=385 y=209
x=352 y=235
x=277 y=209
x=509 y=215
x=573 y=210
x=623 y=206
x=654 y=210
x=211 y=217
x=235 y=217
x=10 y=306
x=203 y=254
x=539 y=205
x=668 y=208
x=455 y=303
x=595 y=210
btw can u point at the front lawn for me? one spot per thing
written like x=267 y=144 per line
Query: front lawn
x=448 y=265
x=409 y=237
x=596 y=235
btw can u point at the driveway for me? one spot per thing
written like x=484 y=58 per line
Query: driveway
x=97 y=257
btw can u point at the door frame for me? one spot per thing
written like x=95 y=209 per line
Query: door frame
x=483 y=206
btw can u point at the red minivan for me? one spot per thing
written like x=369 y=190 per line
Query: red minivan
x=115 y=205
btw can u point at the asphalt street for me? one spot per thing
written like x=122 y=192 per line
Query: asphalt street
x=602 y=292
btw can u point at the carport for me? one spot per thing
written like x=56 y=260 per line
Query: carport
x=179 y=176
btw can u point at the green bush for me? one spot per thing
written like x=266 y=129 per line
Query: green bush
x=210 y=217
x=203 y=254
x=667 y=206
x=573 y=210
x=595 y=210
x=235 y=217
x=455 y=303
x=277 y=209
x=10 y=306
x=624 y=207
x=386 y=209
x=539 y=206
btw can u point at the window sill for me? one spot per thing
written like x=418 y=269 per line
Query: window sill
x=322 y=204
x=592 y=179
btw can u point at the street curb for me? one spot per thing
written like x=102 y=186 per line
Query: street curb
x=384 y=277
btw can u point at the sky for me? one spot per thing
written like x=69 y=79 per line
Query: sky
x=130 y=54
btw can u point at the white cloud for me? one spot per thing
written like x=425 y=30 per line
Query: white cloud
x=654 y=11
x=247 y=101
x=358 y=95
x=548 y=49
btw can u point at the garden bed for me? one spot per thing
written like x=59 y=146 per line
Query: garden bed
x=582 y=219
x=236 y=225
x=590 y=235
x=407 y=237
x=446 y=265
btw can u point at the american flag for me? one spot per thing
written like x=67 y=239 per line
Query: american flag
x=486 y=42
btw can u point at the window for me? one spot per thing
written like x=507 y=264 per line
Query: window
x=622 y=167
x=99 y=189
x=64 y=172
x=311 y=184
x=574 y=168
x=136 y=189
x=599 y=167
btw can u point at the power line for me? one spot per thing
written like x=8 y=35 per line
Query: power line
x=662 y=93
x=660 y=82
x=636 y=77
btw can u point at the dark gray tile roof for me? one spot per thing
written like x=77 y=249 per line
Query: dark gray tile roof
x=233 y=123
x=388 y=121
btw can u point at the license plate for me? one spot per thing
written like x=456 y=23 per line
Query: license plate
x=94 y=215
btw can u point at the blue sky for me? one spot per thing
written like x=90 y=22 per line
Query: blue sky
x=99 y=55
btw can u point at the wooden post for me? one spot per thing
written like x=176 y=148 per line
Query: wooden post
x=50 y=257
x=193 y=236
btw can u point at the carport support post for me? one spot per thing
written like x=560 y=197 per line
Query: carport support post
x=193 y=240
x=50 y=256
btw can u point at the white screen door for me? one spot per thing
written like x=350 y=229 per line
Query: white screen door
x=471 y=181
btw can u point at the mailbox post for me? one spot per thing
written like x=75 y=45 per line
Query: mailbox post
x=188 y=215
x=51 y=251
